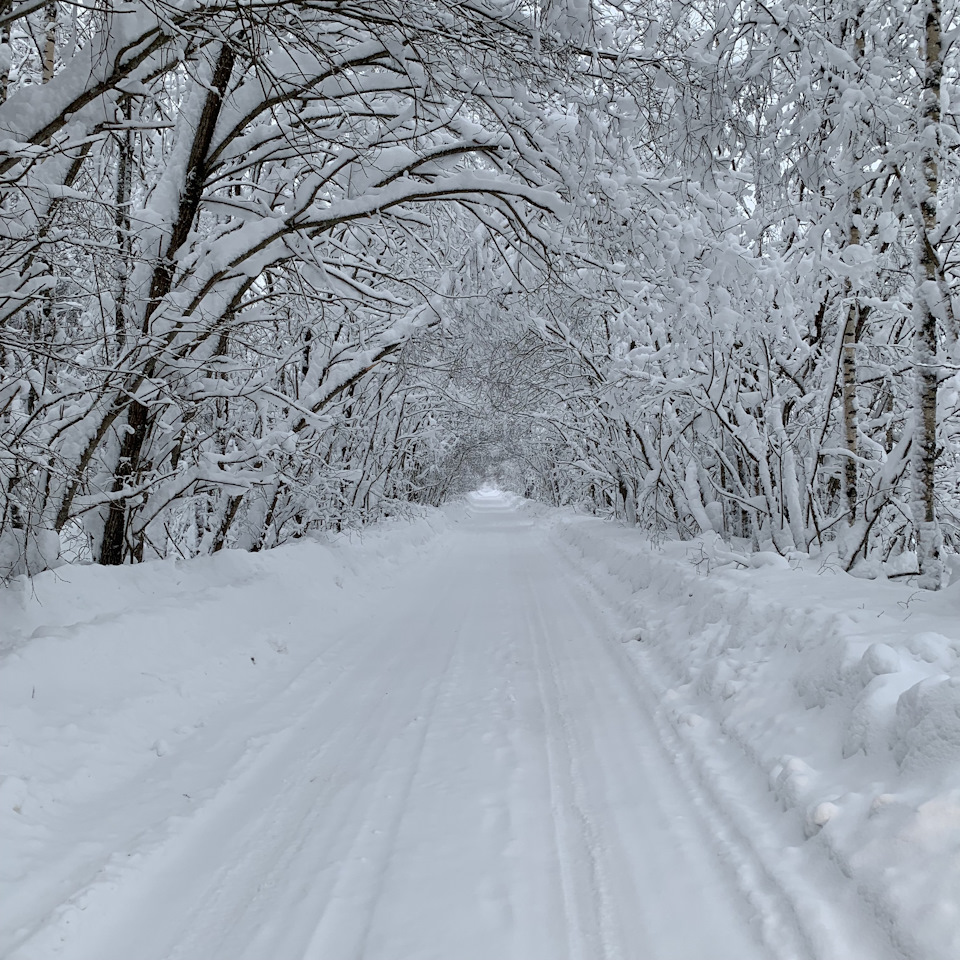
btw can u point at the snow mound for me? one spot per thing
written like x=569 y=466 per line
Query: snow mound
x=843 y=693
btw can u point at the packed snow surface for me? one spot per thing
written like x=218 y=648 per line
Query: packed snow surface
x=496 y=732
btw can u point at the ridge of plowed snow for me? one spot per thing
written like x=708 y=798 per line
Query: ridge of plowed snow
x=836 y=697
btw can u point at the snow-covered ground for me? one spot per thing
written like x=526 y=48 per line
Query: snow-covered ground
x=496 y=732
x=787 y=684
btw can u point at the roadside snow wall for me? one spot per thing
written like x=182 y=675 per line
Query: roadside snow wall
x=840 y=696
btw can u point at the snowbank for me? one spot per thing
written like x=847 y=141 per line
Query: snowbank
x=843 y=694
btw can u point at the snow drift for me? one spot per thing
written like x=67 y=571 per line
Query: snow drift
x=843 y=694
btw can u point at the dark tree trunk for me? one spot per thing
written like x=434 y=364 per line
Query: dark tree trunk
x=139 y=419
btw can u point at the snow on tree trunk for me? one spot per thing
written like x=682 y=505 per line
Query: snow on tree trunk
x=926 y=303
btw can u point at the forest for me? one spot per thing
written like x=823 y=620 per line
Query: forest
x=270 y=268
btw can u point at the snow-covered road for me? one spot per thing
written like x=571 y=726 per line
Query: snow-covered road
x=467 y=768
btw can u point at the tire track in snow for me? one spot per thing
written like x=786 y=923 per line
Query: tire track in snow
x=780 y=927
x=584 y=895
x=441 y=892
x=329 y=939
x=167 y=863
x=647 y=842
x=790 y=891
x=97 y=870
x=351 y=849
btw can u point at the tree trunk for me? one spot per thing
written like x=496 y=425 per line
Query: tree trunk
x=926 y=297
x=50 y=45
x=123 y=228
x=139 y=419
